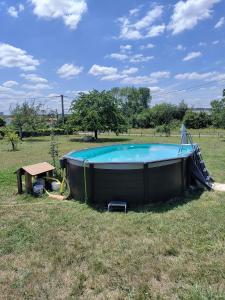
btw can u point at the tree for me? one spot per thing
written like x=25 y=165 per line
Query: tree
x=97 y=111
x=133 y=101
x=2 y=122
x=12 y=138
x=163 y=113
x=218 y=112
x=26 y=116
x=182 y=107
x=196 y=120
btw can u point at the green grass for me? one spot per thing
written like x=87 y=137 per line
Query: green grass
x=67 y=250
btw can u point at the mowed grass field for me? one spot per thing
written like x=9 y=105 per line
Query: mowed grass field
x=67 y=250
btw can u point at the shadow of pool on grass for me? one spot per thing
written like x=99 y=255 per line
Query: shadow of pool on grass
x=162 y=207
x=159 y=207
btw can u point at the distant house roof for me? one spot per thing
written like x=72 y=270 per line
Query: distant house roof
x=37 y=168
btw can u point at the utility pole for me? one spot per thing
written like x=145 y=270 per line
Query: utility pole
x=63 y=115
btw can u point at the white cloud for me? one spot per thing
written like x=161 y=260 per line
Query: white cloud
x=38 y=86
x=69 y=71
x=125 y=48
x=130 y=71
x=127 y=32
x=192 y=55
x=193 y=76
x=149 y=18
x=156 y=30
x=209 y=76
x=21 y=7
x=180 y=47
x=126 y=76
x=4 y=89
x=134 y=12
x=148 y=46
x=12 y=57
x=215 y=42
x=14 y=12
x=10 y=83
x=139 y=58
x=187 y=14
x=139 y=80
x=113 y=77
x=118 y=56
x=160 y=74
x=220 y=23
x=135 y=30
x=34 y=78
x=70 y=11
x=155 y=89
x=98 y=70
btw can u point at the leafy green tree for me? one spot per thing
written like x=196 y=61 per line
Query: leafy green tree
x=2 y=122
x=160 y=114
x=218 y=112
x=26 y=116
x=133 y=101
x=163 y=113
x=98 y=111
x=196 y=120
x=182 y=107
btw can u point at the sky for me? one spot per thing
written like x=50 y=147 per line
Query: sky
x=53 y=47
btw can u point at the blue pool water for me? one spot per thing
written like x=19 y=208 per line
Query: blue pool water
x=132 y=153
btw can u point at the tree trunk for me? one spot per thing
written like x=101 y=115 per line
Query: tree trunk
x=21 y=133
x=96 y=134
x=13 y=146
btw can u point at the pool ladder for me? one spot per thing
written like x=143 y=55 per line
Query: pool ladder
x=189 y=140
x=198 y=159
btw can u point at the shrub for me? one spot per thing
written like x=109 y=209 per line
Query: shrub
x=197 y=120
x=164 y=129
x=2 y=122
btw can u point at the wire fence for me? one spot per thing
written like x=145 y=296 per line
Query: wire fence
x=154 y=133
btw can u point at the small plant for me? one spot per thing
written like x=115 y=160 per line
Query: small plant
x=54 y=149
x=54 y=152
x=164 y=129
x=12 y=137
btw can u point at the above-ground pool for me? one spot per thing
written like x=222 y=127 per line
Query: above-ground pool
x=139 y=174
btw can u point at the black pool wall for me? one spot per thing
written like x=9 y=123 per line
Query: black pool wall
x=138 y=184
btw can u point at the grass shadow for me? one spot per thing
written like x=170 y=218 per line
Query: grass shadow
x=162 y=207
x=101 y=140
x=33 y=140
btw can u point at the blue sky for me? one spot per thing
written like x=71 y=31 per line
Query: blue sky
x=52 y=47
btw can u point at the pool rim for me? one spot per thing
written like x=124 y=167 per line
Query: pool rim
x=86 y=162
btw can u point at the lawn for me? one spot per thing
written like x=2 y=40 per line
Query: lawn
x=67 y=250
